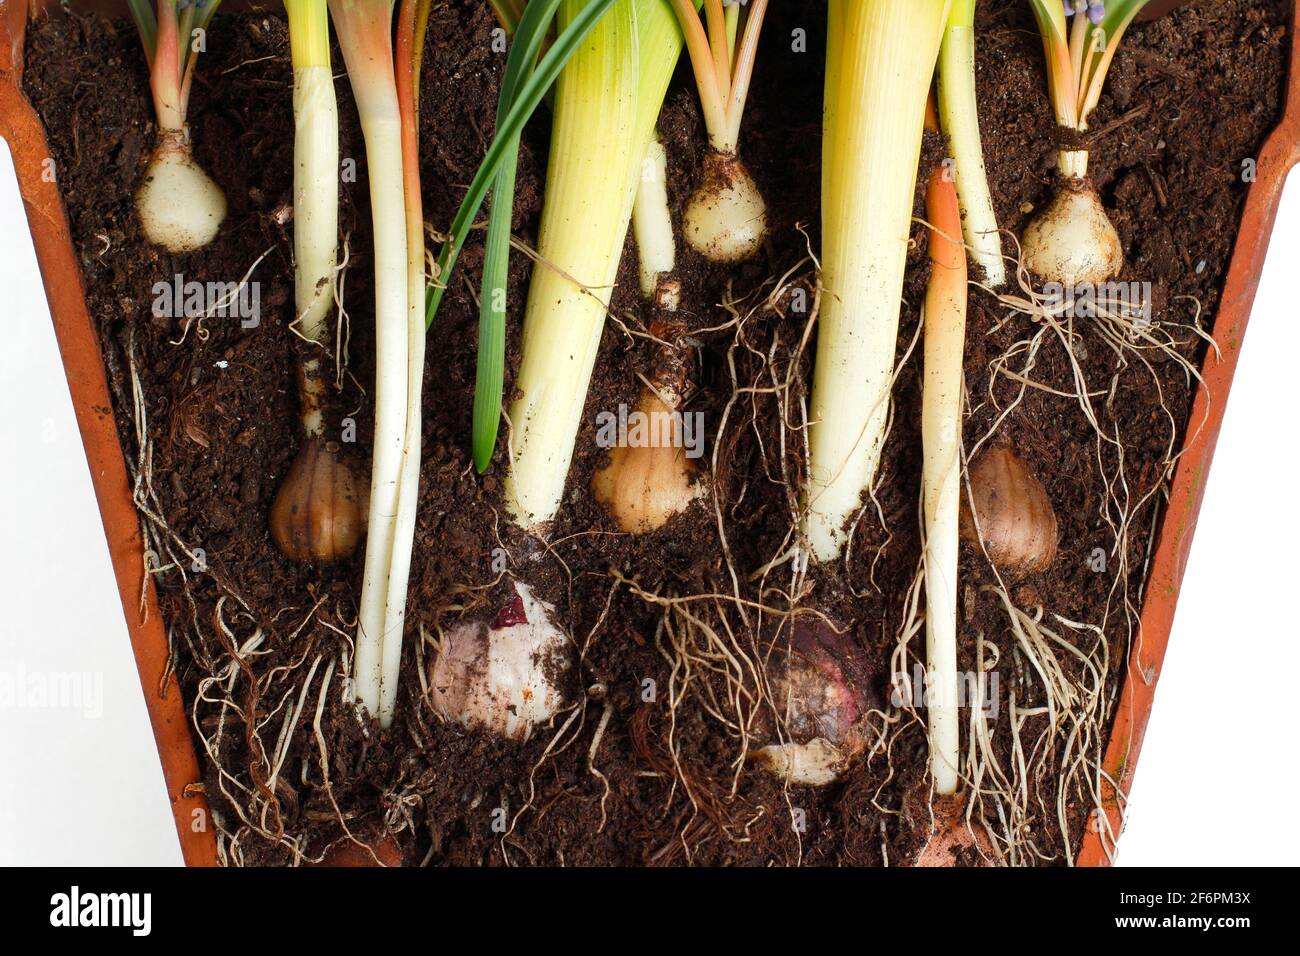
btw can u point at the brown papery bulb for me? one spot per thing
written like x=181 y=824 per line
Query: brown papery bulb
x=319 y=512
x=650 y=480
x=1016 y=520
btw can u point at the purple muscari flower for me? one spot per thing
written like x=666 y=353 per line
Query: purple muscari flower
x=1096 y=9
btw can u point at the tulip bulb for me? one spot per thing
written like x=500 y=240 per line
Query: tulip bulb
x=502 y=677
x=645 y=486
x=726 y=218
x=819 y=687
x=1016 y=522
x=318 y=512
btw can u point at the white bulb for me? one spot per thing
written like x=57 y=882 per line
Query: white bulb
x=179 y=206
x=726 y=218
x=1073 y=242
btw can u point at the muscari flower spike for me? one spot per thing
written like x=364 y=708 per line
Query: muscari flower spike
x=1096 y=9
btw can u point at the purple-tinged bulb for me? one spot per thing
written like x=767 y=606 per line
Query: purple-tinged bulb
x=820 y=687
x=502 y=676
x=1096 y=10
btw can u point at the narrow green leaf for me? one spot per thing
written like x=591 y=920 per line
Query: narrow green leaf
x=1103 y=39
x=522 y=89
x=206 y=10
x=1050 y=15
x=489 y=380
x=185 y=30
x=147 y=25
x=1119 y=14
x=490 y=372
x=194 y=15
x=507 y=15
x=530 y=94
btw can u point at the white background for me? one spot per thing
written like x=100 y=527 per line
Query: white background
x=1216 y=773
x=76 y=786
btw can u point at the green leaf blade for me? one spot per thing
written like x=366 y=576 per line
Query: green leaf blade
x=523 y=86
x=530 y=95
x=489 y=376
x=489 y=379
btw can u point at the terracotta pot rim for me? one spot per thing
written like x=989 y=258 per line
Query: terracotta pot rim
x=83 y=362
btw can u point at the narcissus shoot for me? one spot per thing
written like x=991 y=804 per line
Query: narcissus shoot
x=410 y=23
x=590 y=184
x=607 y=100
x=316 y=515
x=941 y=430
x=652 y=223
x=364 y=30
x=959 y=115
x=879 y=65
x=535 y=61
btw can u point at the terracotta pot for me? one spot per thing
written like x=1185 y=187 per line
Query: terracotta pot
x=83 y=362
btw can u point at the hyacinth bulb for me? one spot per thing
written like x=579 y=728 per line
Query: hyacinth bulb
x=501 y=675
x=819 y=686
x=1073 y=241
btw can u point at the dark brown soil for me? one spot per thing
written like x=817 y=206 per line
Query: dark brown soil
x=1189 y=99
